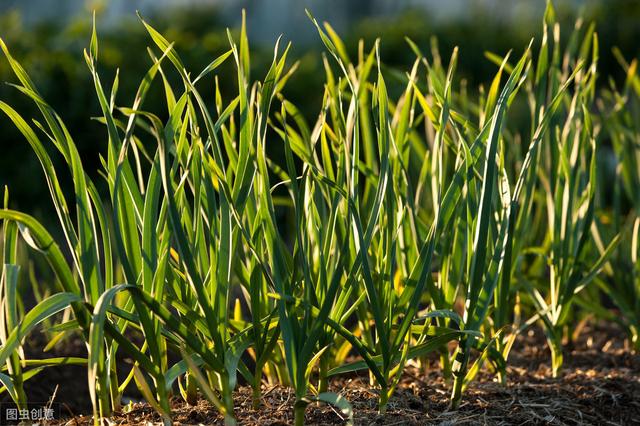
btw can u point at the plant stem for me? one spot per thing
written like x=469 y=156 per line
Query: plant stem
x=192 y=390
x=384 y=400
x=445 y=362
x=257 y=391
x=103 y=394
x=227 y=400
x=556 y=358
x=298 y=413
x=323 y=384
x=501 y=370
x=116 y=396
x=635 y=338
x=459 y=373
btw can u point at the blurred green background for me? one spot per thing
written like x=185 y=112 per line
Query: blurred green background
x=48 y=37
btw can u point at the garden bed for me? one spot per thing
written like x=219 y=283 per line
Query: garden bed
x=600 y=385
x=414 y=214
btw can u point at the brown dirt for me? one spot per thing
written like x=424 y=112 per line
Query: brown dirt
x=600 y=385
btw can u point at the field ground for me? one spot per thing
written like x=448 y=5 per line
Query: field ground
x=600 y=385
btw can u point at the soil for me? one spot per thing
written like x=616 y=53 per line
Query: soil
x=600 y=385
